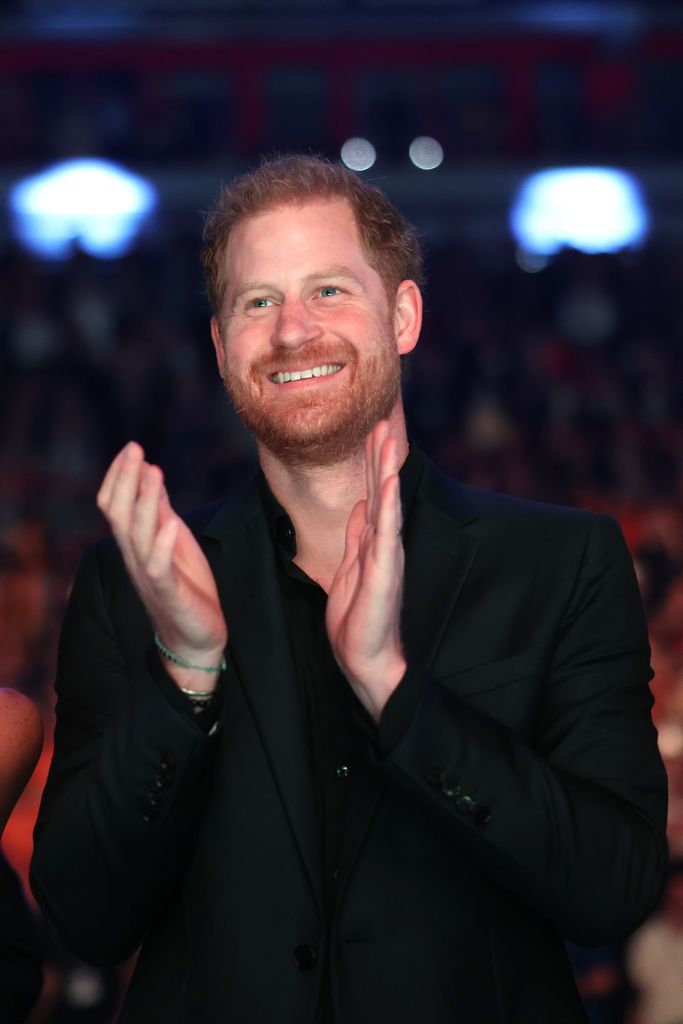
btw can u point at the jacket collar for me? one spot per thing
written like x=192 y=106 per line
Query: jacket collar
x=424 y=483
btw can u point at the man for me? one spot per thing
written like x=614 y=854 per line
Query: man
x=313 y=784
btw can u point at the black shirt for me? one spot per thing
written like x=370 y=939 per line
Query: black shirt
x=338 y=729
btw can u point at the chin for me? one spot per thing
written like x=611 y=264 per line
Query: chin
x=309 y=430
x=312 y=441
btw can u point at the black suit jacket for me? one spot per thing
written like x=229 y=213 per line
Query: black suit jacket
x=524 y=802
x=21 y=956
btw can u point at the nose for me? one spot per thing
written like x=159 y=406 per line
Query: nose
x=295 y=324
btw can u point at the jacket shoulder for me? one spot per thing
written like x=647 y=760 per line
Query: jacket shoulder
x=465 y=501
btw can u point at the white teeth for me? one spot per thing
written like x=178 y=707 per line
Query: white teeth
x=316 y=371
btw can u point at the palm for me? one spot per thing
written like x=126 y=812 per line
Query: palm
x=364 y=601
x=164 y=560
x=193 y=586
x=356 y=606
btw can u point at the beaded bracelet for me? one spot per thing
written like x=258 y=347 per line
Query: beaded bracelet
x=187 y=664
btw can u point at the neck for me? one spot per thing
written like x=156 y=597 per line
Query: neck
x=319 y=500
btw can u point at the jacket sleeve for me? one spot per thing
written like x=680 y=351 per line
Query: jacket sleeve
x=571 y=820
x=127 y=784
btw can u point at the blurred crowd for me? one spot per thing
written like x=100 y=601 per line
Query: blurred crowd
x=562 y=383
x=215 y=99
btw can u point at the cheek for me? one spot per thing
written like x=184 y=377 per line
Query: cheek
x=351 y=323
x=241 y=346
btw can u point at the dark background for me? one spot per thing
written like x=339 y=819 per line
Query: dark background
x=564 y=384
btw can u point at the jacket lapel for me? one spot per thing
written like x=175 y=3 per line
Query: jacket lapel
x=439 y=555
x=246 y=573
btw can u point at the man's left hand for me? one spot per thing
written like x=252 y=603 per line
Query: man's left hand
x=364 y=601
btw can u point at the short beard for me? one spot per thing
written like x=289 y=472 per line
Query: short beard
x=317 y=431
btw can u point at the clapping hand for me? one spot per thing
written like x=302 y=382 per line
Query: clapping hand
x=166 y=564
x=364 y=601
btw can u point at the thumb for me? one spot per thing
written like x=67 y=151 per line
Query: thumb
x=354 y=529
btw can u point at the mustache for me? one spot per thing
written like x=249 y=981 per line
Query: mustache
x=317 y=353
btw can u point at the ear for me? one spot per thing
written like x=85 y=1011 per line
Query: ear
x=407 y=316
x=219 y=347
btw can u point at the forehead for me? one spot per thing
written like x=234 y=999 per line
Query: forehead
x=294 y=238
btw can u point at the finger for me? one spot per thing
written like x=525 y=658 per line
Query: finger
x=381 y=435
x=347 y=576
x=354 y=530
x=389 y=469
x=394 y=461
x=124 y=491
x=376 y=448
x=386 y=459
x=369 y=477
x=375 y=440
x=108 y=482
x=165 y=508
x=159 y=565
x=144 y=523
x=387 y=538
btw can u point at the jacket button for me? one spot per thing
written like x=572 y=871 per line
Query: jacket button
x=305 y=956
x=465 y=805
x=450 y=789
x=150 y=813
x=167 y=763
x=342 y=771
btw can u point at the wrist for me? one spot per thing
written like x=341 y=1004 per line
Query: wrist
x=196 y=672
x=376 y=682
x=187 y=679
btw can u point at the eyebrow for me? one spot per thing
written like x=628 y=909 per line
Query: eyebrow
x=336 y=270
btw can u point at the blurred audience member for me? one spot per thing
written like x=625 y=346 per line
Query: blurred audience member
x=655 y=959
x=21 y=740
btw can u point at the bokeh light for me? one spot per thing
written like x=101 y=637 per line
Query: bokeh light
x=592 y=209
x=358 y=154
x=426 y=153
x=93 y=204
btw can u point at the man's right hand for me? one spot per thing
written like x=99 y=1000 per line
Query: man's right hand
x=166 y=564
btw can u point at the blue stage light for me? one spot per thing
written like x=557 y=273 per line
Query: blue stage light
x=592 y=209
x=89 y=203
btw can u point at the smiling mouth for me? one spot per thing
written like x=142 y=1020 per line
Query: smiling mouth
x=326 y=370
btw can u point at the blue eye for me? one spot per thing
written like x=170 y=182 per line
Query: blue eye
x=330 y=290
x=260 y=303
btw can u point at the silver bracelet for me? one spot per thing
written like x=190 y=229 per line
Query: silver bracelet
x=187 y=664
x=200 y=701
